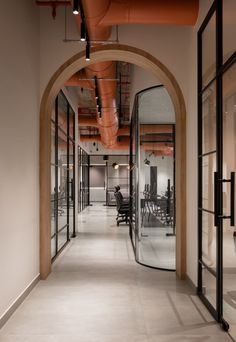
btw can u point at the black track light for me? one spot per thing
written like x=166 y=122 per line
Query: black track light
x=87 y=51
x=147 y=162
x=83 y=30
x=96 y=88
x=76 y=7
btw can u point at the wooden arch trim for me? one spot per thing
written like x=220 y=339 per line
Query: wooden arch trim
x=116 y=52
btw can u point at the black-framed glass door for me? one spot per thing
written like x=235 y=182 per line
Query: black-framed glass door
x=83 y=179
x=216 y=166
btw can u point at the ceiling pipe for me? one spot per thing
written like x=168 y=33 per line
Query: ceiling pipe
x=79 y=80
x=125 y=131
x=75 y=81
x=147 y=129
x=95 y=138
x=168 y=12
x=91 y=122
x=124 y=144
x=54 y=4
x=108 y=119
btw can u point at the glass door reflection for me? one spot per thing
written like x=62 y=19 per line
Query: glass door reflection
x=229 y=209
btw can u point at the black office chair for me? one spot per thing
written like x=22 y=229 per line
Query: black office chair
x=123 y=210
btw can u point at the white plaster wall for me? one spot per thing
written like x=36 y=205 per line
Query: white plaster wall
x=164 y=171
x=140 y=80
x=191 y=104
x=19 y=128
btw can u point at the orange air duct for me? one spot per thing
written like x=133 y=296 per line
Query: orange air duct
x=167 y=12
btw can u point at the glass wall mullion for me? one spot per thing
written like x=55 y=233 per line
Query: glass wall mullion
x=199 y=289
x=73 y=185
x=68 y=173
x=208 y=284
x=219 y=144
x=88 y=185
x=56 y=174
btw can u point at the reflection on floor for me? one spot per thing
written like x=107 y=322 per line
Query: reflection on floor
x=98 y=293
x=157 y=249
x=230 y=278
x=229 y=303
x=157 y=244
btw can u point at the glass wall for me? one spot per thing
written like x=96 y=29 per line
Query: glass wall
x=62 y=174
x=217 y=163
x=106 y=172
x=117 y=174
x=152 y=224
x=83 y=179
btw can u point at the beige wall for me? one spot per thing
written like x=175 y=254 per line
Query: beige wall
x=140 y=80
x=191 y=103
x=19 y=130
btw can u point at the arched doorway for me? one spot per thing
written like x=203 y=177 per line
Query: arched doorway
x=142 y=59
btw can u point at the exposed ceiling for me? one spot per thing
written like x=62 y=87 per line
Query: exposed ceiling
x=87 y=109
x=103 y=89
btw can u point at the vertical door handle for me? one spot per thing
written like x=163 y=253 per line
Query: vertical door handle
x=232 y=194
x=216 y=181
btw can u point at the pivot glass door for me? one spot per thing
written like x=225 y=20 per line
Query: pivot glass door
x=217 y=162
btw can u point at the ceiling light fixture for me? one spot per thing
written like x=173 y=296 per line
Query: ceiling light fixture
x=115 y=166
x=87 y=57
x=96 y=88
x=76 y=7
x=83 y=30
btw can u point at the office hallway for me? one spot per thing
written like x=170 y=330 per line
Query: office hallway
x=98 y=293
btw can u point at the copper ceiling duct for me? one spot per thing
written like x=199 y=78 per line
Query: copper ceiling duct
x=167 y=12
x=100 y=16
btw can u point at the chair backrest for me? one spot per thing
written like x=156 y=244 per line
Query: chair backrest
x=119 y=199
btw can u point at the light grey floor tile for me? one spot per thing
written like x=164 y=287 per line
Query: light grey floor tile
x=98 y=293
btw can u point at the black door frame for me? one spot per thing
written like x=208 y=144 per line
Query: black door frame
x=217 y=10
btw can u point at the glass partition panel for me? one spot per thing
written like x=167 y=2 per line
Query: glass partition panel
x=208 y=51
x=53 y=189
x=209 y=119
x=229 y=28
x=209 y=286
x=229 y=190
x=156 y=195
x=62 y=174
x=208 y=169
x=154 y=179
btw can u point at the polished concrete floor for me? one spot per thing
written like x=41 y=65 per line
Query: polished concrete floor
x=97 y=293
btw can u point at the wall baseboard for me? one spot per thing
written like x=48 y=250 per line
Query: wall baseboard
x=9 y=312
x=191 y=283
